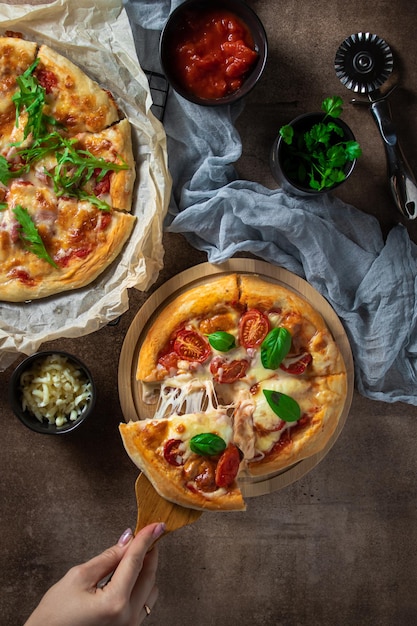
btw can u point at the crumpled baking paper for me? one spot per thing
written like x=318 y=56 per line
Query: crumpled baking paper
x=96 y=35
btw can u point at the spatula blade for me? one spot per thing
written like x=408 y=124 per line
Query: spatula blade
x=154 y=508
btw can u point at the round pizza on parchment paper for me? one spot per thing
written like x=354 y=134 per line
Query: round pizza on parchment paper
x=133 y=255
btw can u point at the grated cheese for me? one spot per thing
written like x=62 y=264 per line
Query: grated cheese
x=55 y=389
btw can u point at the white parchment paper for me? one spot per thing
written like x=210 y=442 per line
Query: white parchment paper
x=96 y=35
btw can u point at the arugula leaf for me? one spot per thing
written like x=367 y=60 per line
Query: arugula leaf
x=31 y=97
x=282 y=405
x=6 y=174
x=221 y=341
x=100 y=204
x=74 y=167
x=30 y=236
x=275 y=347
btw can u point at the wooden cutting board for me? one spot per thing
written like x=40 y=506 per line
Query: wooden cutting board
x=154 y=508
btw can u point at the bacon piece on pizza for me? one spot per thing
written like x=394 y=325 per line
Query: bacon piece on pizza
x=190 y=460
x=72 y=98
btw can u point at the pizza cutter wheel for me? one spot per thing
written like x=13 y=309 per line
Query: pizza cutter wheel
x=363 y=63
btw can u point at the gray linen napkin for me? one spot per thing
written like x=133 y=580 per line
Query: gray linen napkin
x=338 y=249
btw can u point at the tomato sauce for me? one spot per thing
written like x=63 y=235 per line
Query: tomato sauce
x=213 y=53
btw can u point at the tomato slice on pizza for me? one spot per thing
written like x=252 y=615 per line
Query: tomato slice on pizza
x=191 y=459
x=66 y=174
x=268 y=357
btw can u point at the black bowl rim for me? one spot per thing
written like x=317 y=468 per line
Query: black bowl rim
x=255 y=74
x=32 y=422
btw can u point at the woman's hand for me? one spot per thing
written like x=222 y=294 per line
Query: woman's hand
x=81 y=598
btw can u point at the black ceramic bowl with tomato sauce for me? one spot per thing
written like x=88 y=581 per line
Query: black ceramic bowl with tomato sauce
x=213 y=52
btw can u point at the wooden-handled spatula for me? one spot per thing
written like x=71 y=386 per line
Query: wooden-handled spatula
x=154 y=508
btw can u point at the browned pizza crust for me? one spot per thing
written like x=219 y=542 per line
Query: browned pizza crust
x=211 y=298
x=114 y=144
x=144 y=441
x=326 y=399
x=76 y=100
x=16 y=56
x=69 y=233
x=306 y=325
x=25 y=276
x=268 y=443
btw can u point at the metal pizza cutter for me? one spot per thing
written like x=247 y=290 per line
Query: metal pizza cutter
x=363 y=63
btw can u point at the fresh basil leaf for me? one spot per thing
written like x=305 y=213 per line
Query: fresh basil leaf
x=207 y=444
x=221 y=341
x=3 y=206
x=282 y=405
x=30 y=236
x=275 y=347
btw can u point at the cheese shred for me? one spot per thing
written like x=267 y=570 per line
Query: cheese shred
x=54 y=389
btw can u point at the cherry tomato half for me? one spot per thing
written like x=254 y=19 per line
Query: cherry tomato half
x=228 y=371
x=171 y=452
x=191 y=346
x=228 y=466
x=253 y=328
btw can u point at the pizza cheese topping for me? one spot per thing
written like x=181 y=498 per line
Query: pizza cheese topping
x=251 y=354
x=65 y=158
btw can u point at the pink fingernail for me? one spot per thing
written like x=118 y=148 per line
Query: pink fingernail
x=125 y=537
x=159 y=530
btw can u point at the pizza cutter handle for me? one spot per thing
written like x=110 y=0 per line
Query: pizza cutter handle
x=402 y=181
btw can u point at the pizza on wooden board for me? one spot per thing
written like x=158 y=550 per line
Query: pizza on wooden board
x=243 y=346
x=66 y=174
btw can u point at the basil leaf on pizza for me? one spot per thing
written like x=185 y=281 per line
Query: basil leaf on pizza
x=221 y=341
x=275 y=347
x=282 y=405
x=278 y=391
x=207 y=444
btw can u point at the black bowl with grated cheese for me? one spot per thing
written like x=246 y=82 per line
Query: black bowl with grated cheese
x=52 y=392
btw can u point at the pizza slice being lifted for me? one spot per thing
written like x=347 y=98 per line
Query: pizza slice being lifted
x=191 y=459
